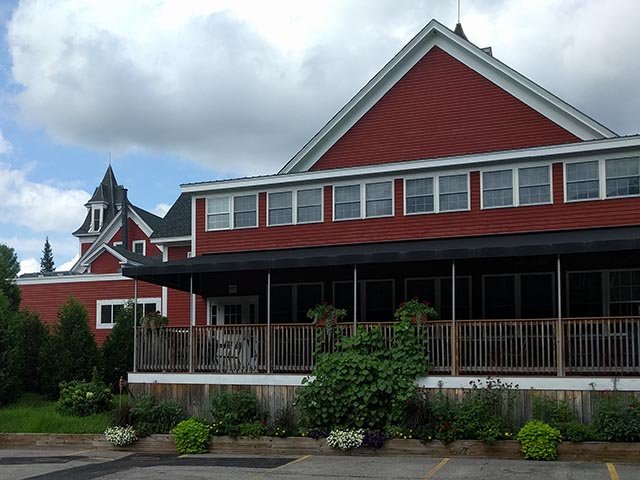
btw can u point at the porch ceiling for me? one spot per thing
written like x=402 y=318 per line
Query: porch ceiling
x=177 y=274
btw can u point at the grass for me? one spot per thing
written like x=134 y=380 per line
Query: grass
x=34 y=414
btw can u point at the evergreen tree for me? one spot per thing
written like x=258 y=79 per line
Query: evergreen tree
x=46 y=262
x=9 y=269
x=117 y=350
x=11 y=354
x=35 y=335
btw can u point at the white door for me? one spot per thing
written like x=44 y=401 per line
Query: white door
x=233 y=310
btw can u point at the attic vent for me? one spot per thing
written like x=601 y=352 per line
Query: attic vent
x=488 y=51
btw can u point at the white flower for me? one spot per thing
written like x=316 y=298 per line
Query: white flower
x=345 y=439
x=121 y=436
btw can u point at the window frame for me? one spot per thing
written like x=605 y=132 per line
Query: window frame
x=601 y=180
x=604 y=169
x=294 y=205
x=605 y=283
x=515 y=184
x=138 y=242
x=231 y=212
x=100 y=325
x=363 y=198
x=294 y=295
x=96 y=208
x=436 y=190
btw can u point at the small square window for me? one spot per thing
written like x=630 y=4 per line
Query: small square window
x=379 y=201
x=583 y=181
x=280 y=208
x=309 y=205
x=453 y=193
x=347 y=202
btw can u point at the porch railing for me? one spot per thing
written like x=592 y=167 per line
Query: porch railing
x=590 y=346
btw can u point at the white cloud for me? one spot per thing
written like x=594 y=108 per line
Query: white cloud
x=5 y=145
x=161 y=209
x=66 y=266
x=29 y=265
x=39 y=207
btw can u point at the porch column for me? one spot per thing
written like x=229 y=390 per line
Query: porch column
x=135 y=324
x=355 y=297
x=192 y=322
x=268 y=321
x=454 y=330
x=559 y=328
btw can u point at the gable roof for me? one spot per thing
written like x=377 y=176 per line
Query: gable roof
x=177 y=221
x=109 y=193
x=124 y=256
x=437 y=35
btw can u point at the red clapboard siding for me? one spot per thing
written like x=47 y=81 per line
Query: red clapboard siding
x=178 y=301
x=105 y=263
x=558 y=216
x=46 y=298
x=135 y=233
x=439 y=108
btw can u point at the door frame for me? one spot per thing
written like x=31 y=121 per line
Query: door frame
x=244 y=300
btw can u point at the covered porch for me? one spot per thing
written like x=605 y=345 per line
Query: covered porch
x=562 y=303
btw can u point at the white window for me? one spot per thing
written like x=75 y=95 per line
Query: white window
x=245 y=211
x=280 y=208
x=582 y=180
x=453 y=192
x=346 y=202
x=623 y=177
x=107 y=311
x=96 y=219
x=378 y=199
x=419 y=196
x=534 y=185
x=497 y=188
x=218 y=213
x=139 y=247
x=309 y=208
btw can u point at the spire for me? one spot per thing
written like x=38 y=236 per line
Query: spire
x=459 y=31
x=106 y=191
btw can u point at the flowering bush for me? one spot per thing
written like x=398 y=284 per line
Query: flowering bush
x=324 y=314
x=416 y=311
x=84 y=398
x=121 y=436
x=345 y=439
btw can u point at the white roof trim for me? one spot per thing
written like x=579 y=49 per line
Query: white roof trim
x=108 y=231
x=105 y=247
x=436 y=34
x=86 y=277
x=525 y=154
x=161 y=240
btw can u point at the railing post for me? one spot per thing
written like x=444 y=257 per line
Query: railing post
x=268 y=321
x=559 y=328
x=192 y=349
x=454 y=327
x=192 y=322
x=355 y=298
x=135 y=324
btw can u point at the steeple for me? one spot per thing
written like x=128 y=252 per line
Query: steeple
x=103 y=205
x=106 y=190
x=459 y=31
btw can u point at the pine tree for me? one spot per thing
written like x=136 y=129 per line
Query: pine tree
x=46 y=262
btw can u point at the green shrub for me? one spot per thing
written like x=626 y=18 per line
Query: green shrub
x=84 y=398
x=229 y=409
x=11 y=354
x=116 y=355
x=579 y=432
x=285 y=422
x=553 y=412
x=253 y=429
x=150 y=415
x=539 y=440
x=71 y=352
x=363 y=384
x=34 y=335
x=617 y=417
x=191 y=436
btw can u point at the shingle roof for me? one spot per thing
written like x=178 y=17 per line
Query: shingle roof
x=177 y=221
x=151 y=219
x=136 y=257
x=109 y=192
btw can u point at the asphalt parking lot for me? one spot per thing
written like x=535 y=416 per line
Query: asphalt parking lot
x=63 y=464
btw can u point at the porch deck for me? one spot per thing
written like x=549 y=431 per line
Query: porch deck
x=575 y=346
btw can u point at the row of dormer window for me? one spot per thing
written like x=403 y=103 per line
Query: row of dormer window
x=431 y=193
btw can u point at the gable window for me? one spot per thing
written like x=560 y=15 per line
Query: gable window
x=139 y=247
x=534 y=185
x=346 y=202
x=107 y=311
x=419 y=195
x=453 y=193
x=309 y=208
x=280 y=208
x=623 y=177
x=244 y=211
x=497 y=188
x=96 y=219
x=583 y=180
x=218 y=213
x=378 y=199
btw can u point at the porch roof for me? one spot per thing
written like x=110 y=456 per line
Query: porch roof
x=176 y=274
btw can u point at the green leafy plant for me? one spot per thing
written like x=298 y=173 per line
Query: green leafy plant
x=35 y=334
x=253 y=429
x=617 y=417
x=117 y=350
x=539 y=440
x=285 y=422
x=230 y=409
x=191 y=436
x=324 y=314
x=11 y=353
x=416 y=311
x=151 y=415
x=579 y=432
x=154 y=320
x=363 y=384
x=84 y=398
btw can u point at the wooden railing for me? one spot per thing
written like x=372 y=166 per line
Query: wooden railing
x=588 y=346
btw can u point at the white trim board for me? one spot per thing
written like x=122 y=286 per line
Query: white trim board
x=85 y=277
x=431 y=382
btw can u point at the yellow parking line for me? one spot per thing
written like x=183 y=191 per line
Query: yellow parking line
x=613 y=473
x=304 y=457
x=435 y=469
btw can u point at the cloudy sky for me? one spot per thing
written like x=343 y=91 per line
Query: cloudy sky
x=182 y=91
